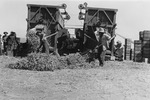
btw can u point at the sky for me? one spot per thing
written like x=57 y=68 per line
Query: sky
x=132 y=17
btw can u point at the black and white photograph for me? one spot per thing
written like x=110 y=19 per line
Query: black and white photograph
x=74 y=50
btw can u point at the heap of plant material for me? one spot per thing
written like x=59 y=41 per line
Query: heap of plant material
x=44 y=62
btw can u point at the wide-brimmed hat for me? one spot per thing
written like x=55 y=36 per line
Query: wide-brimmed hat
x=5 y=33
x=101 y=30
x=12 y=33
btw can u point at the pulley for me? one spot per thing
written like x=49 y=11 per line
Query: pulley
x=64 y=6
x=81 y=6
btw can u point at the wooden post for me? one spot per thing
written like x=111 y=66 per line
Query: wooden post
x=0 y=45
x=130 y=54
x=125 y=51
x=112 y=48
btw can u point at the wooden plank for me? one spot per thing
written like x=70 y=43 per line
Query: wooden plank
x=50 y=6
x=109 y=9
x=53 y=17
x=87 y=21
x=108 y=17
x=35 y=13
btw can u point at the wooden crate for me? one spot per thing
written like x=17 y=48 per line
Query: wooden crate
x=138 y=51
x=146 y=35
x=146 y=52
x=146 y=43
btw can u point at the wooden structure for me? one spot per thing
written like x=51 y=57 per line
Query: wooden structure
x=105 y=17
x=52 y=16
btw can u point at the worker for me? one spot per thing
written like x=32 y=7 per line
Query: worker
x=118 y=51
x=41 y=31
x=35 y=37
x=4 y=38
x=12 y=44
x=33 y=40
x=102 y=38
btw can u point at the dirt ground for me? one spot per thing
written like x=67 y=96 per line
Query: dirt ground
x=125 y=80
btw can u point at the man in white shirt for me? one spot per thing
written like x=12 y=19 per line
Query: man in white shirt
x=36 y=35
x=102 y=37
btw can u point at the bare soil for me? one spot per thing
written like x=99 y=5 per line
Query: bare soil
x=125 y=80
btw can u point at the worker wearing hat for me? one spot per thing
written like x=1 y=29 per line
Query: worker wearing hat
x=40 y=31
x=98 y=33
x=12 y=44
x=102 y=37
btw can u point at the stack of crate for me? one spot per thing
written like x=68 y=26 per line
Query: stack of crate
x=146 y=44
x=138 y=51
x=127 y=50
x=144 y=36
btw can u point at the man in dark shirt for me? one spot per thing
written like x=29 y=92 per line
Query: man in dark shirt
x=4 y=40
x=12 y=44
